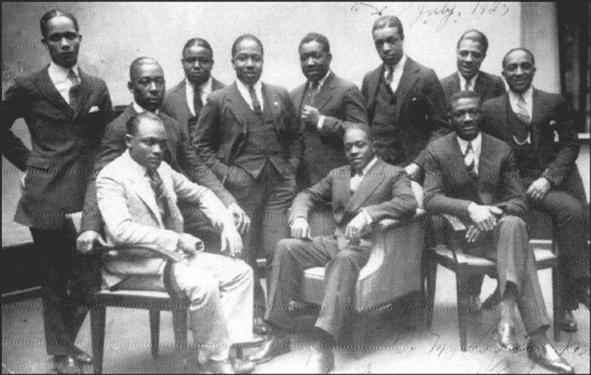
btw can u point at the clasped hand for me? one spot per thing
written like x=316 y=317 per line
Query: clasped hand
x=484 y=217
x=310 y=115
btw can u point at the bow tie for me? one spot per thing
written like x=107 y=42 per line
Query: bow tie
x=354 y=173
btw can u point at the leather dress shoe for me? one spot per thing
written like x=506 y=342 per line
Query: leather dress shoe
x=320 y=362
x=506 y=337
x=547 y=357
x=491 y=301
x=260 y=327
x=81 y=356
x=66 y=364
x=583 y=296
x=474 y=304
x=566 y=321
x=272 y=347
x=217 y=367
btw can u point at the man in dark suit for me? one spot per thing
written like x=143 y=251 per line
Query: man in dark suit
x=248 y=135
x=471 y=51
x=361 y=193
x=326 y=105
x=473 y=176
x=184 y=101
x=540 y=128
x=66 y=111
x=147 y=85
x=405 y=102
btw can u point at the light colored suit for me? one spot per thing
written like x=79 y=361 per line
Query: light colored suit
x=132 y=216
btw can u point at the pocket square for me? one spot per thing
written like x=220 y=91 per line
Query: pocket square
x=552 y=122
x=93 y=109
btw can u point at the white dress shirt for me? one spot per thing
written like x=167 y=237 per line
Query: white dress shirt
x=139 y=109
x=528 y=97
x=356 y=181
x=397 y=73
x=59 y=76
x=206 y=89
x=320 y=83
x=476 y=146
x=244 y=91
x=472 y=82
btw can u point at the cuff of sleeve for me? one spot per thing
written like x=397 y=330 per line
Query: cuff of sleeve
x=368 y=218
x=321 y=121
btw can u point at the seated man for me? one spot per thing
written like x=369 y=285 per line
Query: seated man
x=473 y=177
x=137 y=197
x=367 y=191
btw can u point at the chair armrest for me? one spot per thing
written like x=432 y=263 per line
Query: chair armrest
x=163 y=253
x=387 y=224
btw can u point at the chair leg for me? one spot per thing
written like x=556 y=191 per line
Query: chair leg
x=462 y=308
x=155 y=331
x=179 y=323
x=431 y=276
x=97 y=327
x=556 y=302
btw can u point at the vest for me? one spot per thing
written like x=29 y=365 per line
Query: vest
x=526 y=155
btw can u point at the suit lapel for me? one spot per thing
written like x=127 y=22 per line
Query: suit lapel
x=407 y=82
x=538 y=113
x=84 y=92
x=368 y=185
x=455 y=79
x=273 y=101
x=298 y=98
x=143 y=189
x=325 y=93
x=373 y=83
x=342 y=192
x=239 y=107
x=47 y=88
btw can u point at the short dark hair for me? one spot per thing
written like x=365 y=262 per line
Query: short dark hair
x=533 y=60
x=389 y=21
x=464 y=94
x=475 y=36
x=133 y=123
x=141 y=61
x=316 y=37
x=199 y=42
x=52 y=14
x=360 y=126
x=246 y=37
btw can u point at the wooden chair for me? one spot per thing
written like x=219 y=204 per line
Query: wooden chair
x=452 y=257
x=392 y=271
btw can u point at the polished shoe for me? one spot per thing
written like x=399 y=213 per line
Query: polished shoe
x=506 y=337
x=492 y=300
x=260 y=327
x=217 y=367
x=272 y=347
x=81 y=356
x=583 y=296
x=474 y=305
x=547 y=357
x=66 y=364
x=320 y=362
x=566 y=321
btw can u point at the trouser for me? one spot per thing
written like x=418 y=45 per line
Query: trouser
x=292 y=257
x=68 y=280
x=198 y=225
x=220 y=291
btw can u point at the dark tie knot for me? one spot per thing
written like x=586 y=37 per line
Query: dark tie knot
x=155 y=182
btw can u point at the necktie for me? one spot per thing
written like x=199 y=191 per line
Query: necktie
x=522 y=112
x=256 y=105
x=389 y=75
x=313 y=91
x=197 y=102
x=356 y=178
x=469 y=160
x=75 y=84
x=158 y=188
x=468 y=87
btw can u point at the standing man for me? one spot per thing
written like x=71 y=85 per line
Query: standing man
x=540 y=128
x=405 y=102
x=147 y=84
x=184 y=101
x=248 y=135
x=473 y=176
x=66 y=111
x=326 y=105
x=366 y=191
x=137 y=195
x=471 y=51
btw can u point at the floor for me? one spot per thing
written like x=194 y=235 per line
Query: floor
x=397 y=343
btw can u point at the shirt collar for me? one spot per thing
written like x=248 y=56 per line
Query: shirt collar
x=135 y=167
x=527 y=95
x=476 y=143
x=139 y=109
x=472 y=81
x=206 y=87
x=244 y=87
x=58 y=73
x=321 y=81
x=399 y=66
x=368 y=166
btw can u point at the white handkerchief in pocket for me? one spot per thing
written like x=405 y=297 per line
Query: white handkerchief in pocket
x=93 y=109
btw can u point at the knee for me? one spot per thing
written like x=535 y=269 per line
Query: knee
x=205 y=292
x=514 y=223
x=345 y=259
x=284 y=247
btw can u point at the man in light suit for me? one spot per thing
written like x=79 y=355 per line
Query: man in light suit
x=248 y=135
x=184 y=101
x=361 y=193
x=404 y=99
x=147 y=84
x=471 y=52
x=540 y=127
x=473 y=176
x=66 y=111
x=137 y=195
x=326 y=105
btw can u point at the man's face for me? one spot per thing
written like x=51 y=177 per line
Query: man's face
x=147 y=85
x=62 y=41
x=314 y=60
x=358 y=149
x=470 y=56
x=147 y=146
x=248 y=62
x=197 y=64
x=519 y=71
x=389 y=44
x=465 y=116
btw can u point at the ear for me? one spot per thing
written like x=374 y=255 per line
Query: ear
x=374 y=147
x=44 y=41
x=79 y=38
x=130 y=87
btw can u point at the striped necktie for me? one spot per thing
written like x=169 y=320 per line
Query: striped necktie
x=256 y=105
x=75 y=85
x=469 y=160
x=522 y=112
x=197 y=102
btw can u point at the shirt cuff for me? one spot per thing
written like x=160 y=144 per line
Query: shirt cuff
x=321 y=121
x=368 y=218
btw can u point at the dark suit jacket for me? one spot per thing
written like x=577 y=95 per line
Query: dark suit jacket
x=181 y=156
x=175 y=103
x=487 y=85
x=223 y=127
x=340 y=101
x=420 y=106
x=450 y=189
x=64 y=141
x=551 y=114
x=385 y=192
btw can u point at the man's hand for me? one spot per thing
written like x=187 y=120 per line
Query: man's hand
x=231 y=242
x=188 y=245
x=241 y=220
x=310 y=116
x=484 y=217
x=355 y=228
x=87 y=240
x=413 y=170
x=538 y=189
x=472 y=233
x=300 y=229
